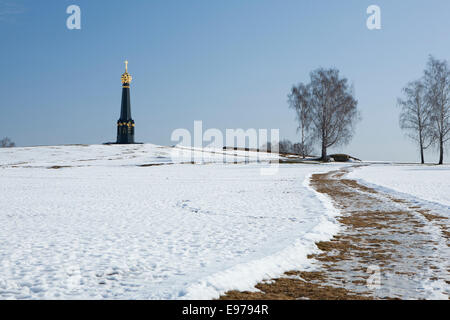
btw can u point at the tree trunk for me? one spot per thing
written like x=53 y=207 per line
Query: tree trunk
x=324 y=153
x=422 y=160
x=441 y=150
x=421 y=156
x=303 y=139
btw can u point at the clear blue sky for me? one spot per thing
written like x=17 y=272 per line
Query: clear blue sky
x=229 y=63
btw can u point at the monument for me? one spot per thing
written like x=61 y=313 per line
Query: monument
x=125 y=125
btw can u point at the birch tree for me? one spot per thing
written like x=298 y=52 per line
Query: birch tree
x=332 y=108
x=298 y=100
x=437 y=83
x=416 y=115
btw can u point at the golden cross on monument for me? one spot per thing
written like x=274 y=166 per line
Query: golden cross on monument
x=126 y=65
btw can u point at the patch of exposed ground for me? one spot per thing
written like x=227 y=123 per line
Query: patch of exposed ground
x=296 y=285
x=59 y=167
x=401 y=250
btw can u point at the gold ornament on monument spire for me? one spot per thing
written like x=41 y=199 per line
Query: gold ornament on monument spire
x=126 y=77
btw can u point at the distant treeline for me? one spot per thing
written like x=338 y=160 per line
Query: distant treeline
x=286 y=146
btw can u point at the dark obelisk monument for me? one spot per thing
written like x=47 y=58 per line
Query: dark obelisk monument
x=125 y=125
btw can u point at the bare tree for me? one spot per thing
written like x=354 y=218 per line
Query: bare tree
x=286 y=146
x=7 y=143
x=437 y=82
x=331 y=106
x=298 y=100
x=415 y=117
x=304 y=148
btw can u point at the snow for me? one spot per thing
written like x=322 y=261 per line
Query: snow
x=119 y=155
x=429 y=185
x=426 y=187
x=101 y=222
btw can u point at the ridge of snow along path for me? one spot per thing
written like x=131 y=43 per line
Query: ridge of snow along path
x=103 y=222
x=426 y=184
x=388 y=247
x=406 y=243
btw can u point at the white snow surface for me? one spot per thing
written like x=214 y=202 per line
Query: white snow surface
x=100 y=222
x=428 y=185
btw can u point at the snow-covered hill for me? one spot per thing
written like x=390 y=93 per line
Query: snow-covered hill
x=120 y=155
x=114 y=222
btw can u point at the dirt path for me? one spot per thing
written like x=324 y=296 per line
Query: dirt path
x=388 y=248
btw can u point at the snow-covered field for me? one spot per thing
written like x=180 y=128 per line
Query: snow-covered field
x=427 y=185
x=96 y=222
x=143 y=222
